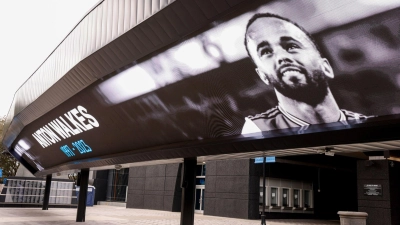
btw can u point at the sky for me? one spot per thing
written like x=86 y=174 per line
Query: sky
x=30 y=31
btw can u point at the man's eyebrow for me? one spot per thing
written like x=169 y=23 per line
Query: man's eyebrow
x=262 y=44
x=287 y=38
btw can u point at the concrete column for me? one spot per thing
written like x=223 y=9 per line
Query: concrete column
x=188 y=185
x=384 y=206
x=81 y=211
x=47 y=192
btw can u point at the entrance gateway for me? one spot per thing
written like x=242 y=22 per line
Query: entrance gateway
x=165 y=86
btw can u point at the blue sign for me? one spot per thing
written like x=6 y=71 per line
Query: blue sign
x=258 y=160
x=268 y=159
x=1 y=172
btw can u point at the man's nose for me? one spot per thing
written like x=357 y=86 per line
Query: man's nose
x=282 y=57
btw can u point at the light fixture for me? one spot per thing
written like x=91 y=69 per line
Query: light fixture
x=118 y=167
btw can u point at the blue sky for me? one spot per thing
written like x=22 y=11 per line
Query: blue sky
x=31 y=30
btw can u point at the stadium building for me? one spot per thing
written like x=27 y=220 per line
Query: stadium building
x=155 y=99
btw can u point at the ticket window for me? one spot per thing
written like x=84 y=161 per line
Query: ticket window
x=307 y=199
x=274 y=196
x=285 y=197
x=296 y=198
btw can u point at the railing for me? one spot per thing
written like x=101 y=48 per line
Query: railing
x=32 y=192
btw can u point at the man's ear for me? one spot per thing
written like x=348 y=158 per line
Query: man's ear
x=262 y=76
x=327 y=69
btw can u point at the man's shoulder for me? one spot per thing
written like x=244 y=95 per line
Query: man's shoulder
x=271 y=119
x=269 y=114
x=353 y=115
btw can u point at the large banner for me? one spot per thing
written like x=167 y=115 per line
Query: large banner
x=262 y=69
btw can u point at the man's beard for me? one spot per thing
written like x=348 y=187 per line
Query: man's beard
x=313 y=92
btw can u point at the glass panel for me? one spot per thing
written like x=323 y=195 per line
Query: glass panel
x=285 y=197
x=261 y=196
x=274 y=196
x=199 y=169
x=306 y=199
x=200 y=181
x=198 y=195
x=202 y=199
x=296 y=198
x=117 y=184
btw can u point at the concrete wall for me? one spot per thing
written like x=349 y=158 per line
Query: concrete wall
x=155 y=187
x=230 y=191
x=381 y=209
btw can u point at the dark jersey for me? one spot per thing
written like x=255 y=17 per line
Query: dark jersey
x=278 y=118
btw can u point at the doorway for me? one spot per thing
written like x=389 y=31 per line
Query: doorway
x=200 y=186
x=199 y=200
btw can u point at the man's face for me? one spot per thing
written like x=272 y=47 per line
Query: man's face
x=286 y=58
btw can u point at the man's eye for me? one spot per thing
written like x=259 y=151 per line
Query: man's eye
x=266 y=51
x=292 y=46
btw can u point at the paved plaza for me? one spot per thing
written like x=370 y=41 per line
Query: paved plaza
x=113 y=215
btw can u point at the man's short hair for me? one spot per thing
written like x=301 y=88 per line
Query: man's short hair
x=266 y=15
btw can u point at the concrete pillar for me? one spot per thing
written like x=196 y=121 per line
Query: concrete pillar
x=353 y=218
x=83 y=186
x=384 y=206
x=188 y=185
x=46 y=196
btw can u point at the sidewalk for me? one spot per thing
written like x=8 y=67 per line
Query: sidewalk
x=112 y=215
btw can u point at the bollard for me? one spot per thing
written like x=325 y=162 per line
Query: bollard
x=353 y=218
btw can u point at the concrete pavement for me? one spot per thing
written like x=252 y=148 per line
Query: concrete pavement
x=112 y=215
